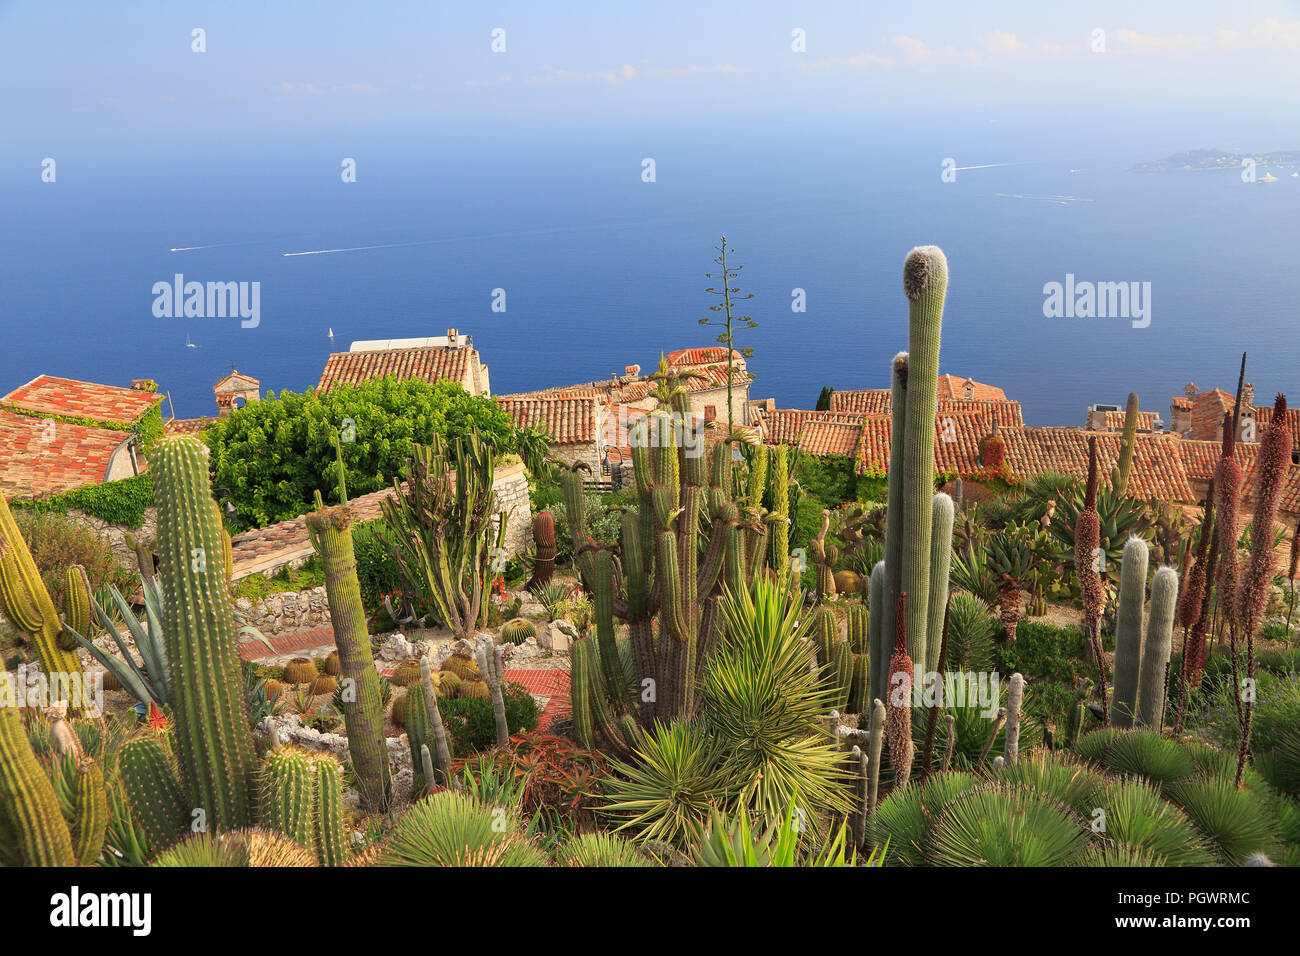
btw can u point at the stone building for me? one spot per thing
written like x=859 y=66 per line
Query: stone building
x=451 y=356
x=576 y=425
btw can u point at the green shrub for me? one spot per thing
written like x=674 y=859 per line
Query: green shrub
x=377 y=570
x=603 y=524
x=117 y=502
x=471 y=726
x=271 y=456
x=57 y=541
x=310 y=574
x=1050 y=658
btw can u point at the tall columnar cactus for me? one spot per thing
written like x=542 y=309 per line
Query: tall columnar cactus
x=893 y=563
x=685 y=540
x=433 y=717
x=1087 y=552
x=153 y=791
x=1119 y=480
x=27 y=604
x=779 y=484
x=76 y=607
x=859 y=629
x=825 y=634
x=544 y=542
x=925 y=282
x=943 y=515
x=756 y=483
x=1157 y=647
x=214 y=744
x=89 y=811
x=31 y=822
x=1128 y=632
x=879 y=641
x=491 y=664
x=1015 y=700
x=898 y=724
x=331 y=843
x=875 y=745
x=363 y=709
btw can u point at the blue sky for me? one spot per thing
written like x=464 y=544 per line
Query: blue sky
x=77 y=73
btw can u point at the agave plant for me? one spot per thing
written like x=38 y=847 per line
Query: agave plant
x=1120 y=518
x=732 y=842
x=148 y=680
x=1012 y=556
x=969 y=571
x=453 y=829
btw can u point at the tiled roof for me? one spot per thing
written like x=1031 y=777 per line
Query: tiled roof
x=879 y=401
x=186 y=426
x=952 y=388
x=429 y=364
x=1200 y=458
x=821 y=437
x=1157 y=472
x=782 y=426
x=38 y=458
x=1145 y=420
x=1264 y=421
x=568 y=421
x=1180 y=401
x=48 y=395
x=957 y=438
x=709 y=355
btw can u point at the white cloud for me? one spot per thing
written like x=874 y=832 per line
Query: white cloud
x=295 y=89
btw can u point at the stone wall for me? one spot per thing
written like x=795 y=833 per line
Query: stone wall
x=511 y=487
x=115 y=534
x=586 y=452
x=286 y=611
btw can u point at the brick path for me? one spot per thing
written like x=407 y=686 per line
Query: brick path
x=550 y=687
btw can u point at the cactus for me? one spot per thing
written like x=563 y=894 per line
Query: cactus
x=1119 y=478
x=859 y=684
x=89 y=812
x=878 y=647
x=893 y=562
x=875 y=744
x=153 y=791
x=27 y=605
x=544 y=540
x=76 y=607
x=825 y=634
x=30 y=819
x=1156 y=650
x=1087 y=541
x=779 y=484
x=462 y=667
x=331 y=836
x=1128 y=632
x=1015 y=699
x=148 y=680
x=841 y=670
x=821 y=553
x=942 y=516
x=287 y=803
x=1076 y=715
x=333 y=663
x=898 y=728
x=323 y=684
x=416 y=722
x=859 y=629
x=925 y=282
x=518 y=630
x=407 y=673
x=214 y=743
x=1227 y=505
x=433 y=717
x=491 y=664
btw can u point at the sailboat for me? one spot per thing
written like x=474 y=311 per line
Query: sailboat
x=188 y=343
x=331 y=334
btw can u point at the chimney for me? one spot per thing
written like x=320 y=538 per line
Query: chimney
x=144 y=385
x=1247 y=396
x=452 y=340
x=968 y=390
x=1190 y=391
x=632 y=370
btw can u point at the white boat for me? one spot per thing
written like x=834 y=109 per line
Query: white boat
x=188 y=343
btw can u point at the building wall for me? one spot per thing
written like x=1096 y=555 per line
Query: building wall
x=717 y=397
x=586 y=452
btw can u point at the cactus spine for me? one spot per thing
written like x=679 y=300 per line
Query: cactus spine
x=1015 y=699
x=925 y=283
x=491 y=664
x=27 y=604
x=29 y=807
x=1128 y=632
x=288 y=800
x=363 y=711
x=899 y=729
x=943 y=515
x=76 y=606
x=214 y=744
x=1157 y=648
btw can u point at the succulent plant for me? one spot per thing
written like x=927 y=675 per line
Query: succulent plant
x=517 y=630
x=300 y=670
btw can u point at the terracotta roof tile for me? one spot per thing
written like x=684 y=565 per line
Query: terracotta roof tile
x=1157 y=472
x=1145 y=420
x=186 y=426
x=37 y=458
x=953 y=388
x=822 y=437
x=429 y=364
x=1207 y=414
x=567 y=420
x=48 y=395
x=879 y=401
x=708 y=355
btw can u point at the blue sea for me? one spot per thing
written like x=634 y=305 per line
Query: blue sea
x=601 y=269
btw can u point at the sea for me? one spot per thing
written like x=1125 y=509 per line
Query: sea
x=566 y=256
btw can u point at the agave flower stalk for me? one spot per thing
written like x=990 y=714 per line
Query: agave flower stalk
x=898 y=724
x=1191 y=606
x=1087 y=541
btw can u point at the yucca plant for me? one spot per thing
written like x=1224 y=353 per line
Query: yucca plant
x=1148 y=754
x=899 y=827
x=1056 y=775
x=1138 y=817
x=970 y=633
x=1119 y=854
x=1011 y=557
x=452 y=829
x=763 y=704
x=666 y=791
x=1236 y=823
x=1006 y=826
x=601 y=849
x=734 y=842
x=969 y=572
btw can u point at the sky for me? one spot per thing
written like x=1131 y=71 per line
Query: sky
x=77 y=73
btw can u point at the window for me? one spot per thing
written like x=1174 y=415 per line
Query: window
x=710 y=413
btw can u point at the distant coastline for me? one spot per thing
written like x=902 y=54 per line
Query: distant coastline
x=1196 y=160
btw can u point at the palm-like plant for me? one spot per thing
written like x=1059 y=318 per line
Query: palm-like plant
x=733 y=842
x=1012 y=554
x=1136 y=816
x=1006 y=826
x=969 y=571
x=970 y=633
x=452 y=829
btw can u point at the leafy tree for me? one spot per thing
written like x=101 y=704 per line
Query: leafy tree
x=270 y=457
x=824 y=399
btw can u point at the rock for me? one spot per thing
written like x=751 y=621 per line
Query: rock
x=396 y=648
x=557 y=637
x=244 y=604
x=525 y=651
